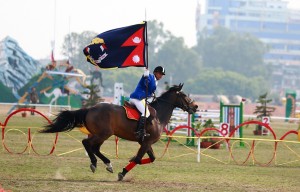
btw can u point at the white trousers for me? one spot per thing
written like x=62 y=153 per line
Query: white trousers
x=140 y=105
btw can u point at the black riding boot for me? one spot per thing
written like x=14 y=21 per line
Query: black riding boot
x=140 y=131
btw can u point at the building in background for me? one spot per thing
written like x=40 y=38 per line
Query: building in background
x=270 y=21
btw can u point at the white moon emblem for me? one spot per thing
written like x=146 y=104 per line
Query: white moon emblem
x=136 y=59
x=136 y=40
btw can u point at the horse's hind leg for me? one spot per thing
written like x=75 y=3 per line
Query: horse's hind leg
x=106 y=161
x=87 y=143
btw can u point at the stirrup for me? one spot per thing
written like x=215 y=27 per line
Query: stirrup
x=141 y=134
x=149 y=120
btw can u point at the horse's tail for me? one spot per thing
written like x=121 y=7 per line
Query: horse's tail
x=66 y=121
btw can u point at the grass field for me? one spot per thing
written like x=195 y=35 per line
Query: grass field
x=67 y=169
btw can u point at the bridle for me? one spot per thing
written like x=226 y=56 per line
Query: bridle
x=184 y=104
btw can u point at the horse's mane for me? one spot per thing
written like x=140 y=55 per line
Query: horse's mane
x=167 y=94
x=171 y=89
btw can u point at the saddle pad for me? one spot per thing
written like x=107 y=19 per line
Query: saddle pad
x=84 y=130
x=132 y=113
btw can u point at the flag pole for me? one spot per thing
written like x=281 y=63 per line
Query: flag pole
x=146 y=38
x=146 y=45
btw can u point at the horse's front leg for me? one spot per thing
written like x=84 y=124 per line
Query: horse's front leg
x=151 y=157
x=137 y=160
x=147 y=160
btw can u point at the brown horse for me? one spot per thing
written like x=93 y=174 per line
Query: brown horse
x=105 y=120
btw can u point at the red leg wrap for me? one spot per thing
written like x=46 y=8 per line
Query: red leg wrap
x=146 y=161
x=130 y=166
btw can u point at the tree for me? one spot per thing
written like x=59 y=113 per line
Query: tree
x=169 y=51
x=129 y=77
x=157 y=36
x=217 y=81
x=72 y=48
x=182 y=63
x=262 y=109
x=241 y=53
x=93 y=98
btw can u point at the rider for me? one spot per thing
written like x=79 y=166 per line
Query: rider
x=139 y=94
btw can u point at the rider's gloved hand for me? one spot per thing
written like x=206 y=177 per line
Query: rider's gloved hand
x=146 y=73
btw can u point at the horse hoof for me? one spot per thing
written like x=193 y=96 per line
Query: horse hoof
x=93 y=168
x=120 y=177
x=109 y=168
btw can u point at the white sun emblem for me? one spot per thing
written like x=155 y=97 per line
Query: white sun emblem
x=136 y=59
x=136 y=40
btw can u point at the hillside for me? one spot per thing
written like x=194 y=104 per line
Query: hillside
x=49 y=85
x=6 y=95
x=16 y=66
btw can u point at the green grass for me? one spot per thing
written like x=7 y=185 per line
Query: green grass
x=176 y=170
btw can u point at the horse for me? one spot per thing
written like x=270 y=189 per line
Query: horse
x=57 y=93
x=104 y=120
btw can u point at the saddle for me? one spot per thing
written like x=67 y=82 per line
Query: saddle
x=133 y=113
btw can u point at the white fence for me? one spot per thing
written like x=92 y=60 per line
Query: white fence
x=180 y=117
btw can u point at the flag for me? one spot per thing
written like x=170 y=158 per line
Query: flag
x=119 y=48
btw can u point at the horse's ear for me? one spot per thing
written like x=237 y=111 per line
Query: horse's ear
x=180 y=86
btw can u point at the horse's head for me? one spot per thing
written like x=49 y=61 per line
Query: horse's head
x=181 y=100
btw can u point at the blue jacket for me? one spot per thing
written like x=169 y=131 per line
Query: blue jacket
x=140 y=90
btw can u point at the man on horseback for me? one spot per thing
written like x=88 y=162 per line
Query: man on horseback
x=145 y=88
